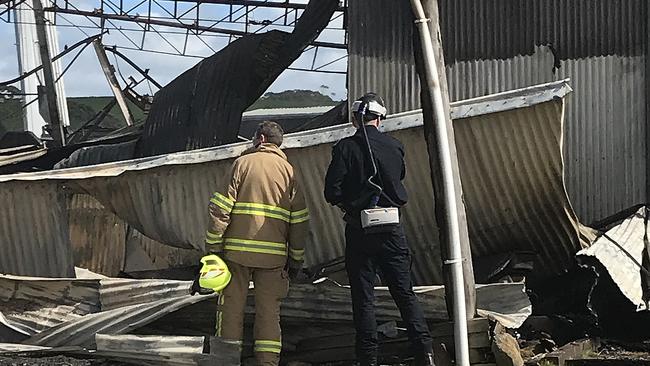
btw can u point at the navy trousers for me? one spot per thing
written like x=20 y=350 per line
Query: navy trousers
x=388 y=253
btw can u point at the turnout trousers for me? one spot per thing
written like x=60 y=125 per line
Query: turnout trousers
x=388 y=253
x=271 y=286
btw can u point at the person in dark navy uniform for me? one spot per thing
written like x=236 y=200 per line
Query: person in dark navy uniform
x=354 y=183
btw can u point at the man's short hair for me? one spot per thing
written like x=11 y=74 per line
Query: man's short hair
x=272 y=131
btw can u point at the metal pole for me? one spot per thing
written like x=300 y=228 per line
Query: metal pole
x=109 y=72
x=54 y=118
x=455 y=260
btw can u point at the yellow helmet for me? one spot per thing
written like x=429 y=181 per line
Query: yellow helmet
x=214 y=273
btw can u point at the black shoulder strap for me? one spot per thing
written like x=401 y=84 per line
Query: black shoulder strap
x=366 y=154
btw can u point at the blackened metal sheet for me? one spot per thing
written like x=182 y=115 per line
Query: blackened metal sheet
x=204 y=105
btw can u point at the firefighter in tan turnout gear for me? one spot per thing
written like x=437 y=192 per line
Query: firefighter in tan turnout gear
x=258 y=225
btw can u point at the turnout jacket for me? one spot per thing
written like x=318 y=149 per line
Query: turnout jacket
x=260 y=217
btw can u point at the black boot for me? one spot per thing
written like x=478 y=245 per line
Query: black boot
x=424 y=359
x=368 y=361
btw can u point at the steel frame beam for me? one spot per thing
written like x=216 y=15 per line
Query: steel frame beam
x=263 y=4
x=171 y=24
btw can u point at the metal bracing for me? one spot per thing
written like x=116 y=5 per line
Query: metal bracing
x=213 y=23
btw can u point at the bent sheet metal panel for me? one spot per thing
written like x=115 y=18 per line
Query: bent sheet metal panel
x=620 y=250
x=165 y=197
x=306 y=304
x=98 y=236
x=34 y=230
x=31 y=305
x=511 y=170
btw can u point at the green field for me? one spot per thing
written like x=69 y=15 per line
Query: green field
x=81 y=110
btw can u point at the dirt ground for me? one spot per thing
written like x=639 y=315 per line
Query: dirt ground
x=56 y=360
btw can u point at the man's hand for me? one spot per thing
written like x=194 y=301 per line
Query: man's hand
x=294 y=268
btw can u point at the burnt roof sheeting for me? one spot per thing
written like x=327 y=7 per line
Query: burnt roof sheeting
x=620 y=251
x=118 y=306
x=165 y=197
x=204 y=105
x=494 y=46
x=576 y=29
x=32 y=306
x=98 y=236
x=81 y=332
x=34 y=231
x=511 y=170
x=98 y=154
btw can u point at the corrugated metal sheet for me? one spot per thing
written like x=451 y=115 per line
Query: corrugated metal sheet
x=98 y=236
x=146 y=254
x=204 y=105
x=165 y=197
x=118 y=306
x=605 y=135
x=34 y=231
x=473 y=30
x=36 y=305
x=104 y=243
x=380 y=53
x=98 y=154
x=516 y=156
x=493 y=46
x=81 y=332
x=620 y=250
x=32 y=305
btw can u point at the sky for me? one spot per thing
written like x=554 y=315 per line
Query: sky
x=86 y=79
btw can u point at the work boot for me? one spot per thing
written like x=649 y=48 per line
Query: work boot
x=368 y=361
x=424 y=359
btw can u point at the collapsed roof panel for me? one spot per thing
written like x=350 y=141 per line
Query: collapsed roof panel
x=623 y=252
x=203 y=106
x=511 y=169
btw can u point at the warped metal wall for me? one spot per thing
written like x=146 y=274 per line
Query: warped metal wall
x=34 y=231
x=497 y=45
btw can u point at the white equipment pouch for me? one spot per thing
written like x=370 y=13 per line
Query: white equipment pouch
x=381 y=216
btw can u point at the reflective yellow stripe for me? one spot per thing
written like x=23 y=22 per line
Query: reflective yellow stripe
x=262 y=206
x=268 y=343
x=226 y=200
x=299 y=216
x=299 y=220
x=272 y=244
x=212 y=238
x=268 y=346
x=221 y=205
x=259 y=213
x=222 y=201
x=300 y=212
x=265 y=349
x=255 y=250
x=219 y=314
x=297 y=254
x=212 y=235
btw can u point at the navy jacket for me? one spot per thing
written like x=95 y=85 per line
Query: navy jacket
x=346 y=180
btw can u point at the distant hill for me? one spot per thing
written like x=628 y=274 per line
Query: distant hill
x=292 y=99
x=83 y=109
